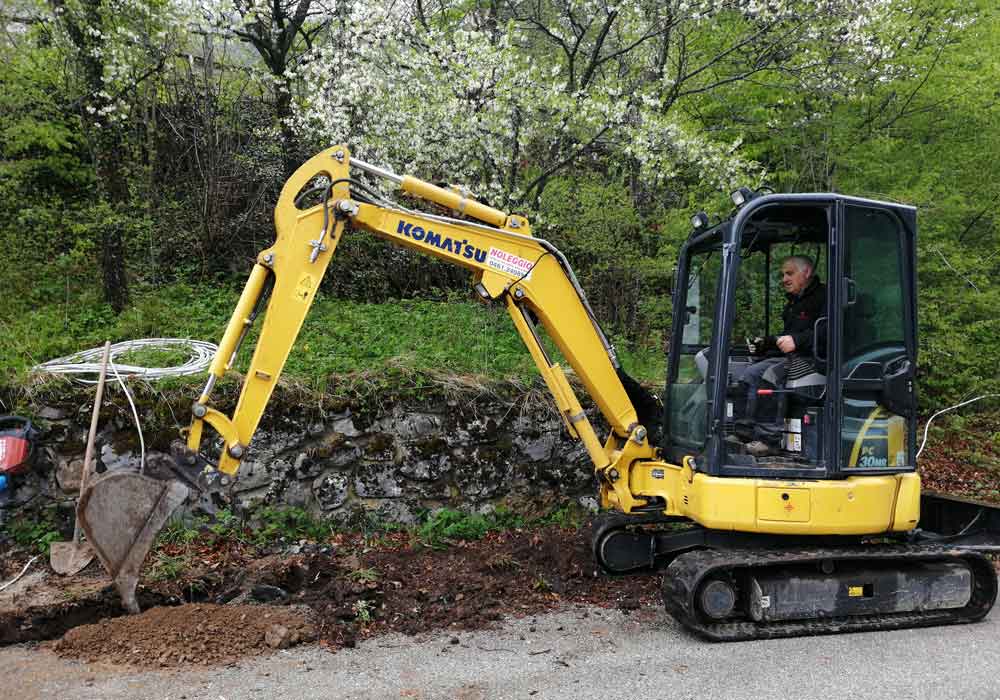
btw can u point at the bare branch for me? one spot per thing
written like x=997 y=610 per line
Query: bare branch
x=950 y=267
x=582 y=150
x=598 y=45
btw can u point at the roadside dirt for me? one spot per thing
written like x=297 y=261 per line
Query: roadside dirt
x=224 y=606
x=200 y=634
x=468 y=586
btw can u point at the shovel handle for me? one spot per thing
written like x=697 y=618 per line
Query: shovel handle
x=88 y=456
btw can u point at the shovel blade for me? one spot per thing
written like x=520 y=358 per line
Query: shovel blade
x=121 y=513
x=70 y=558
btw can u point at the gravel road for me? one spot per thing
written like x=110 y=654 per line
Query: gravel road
x=577 y=654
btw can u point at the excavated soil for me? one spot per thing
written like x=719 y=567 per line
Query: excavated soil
x=229 y=600
x=201 y=634
x=468 y=586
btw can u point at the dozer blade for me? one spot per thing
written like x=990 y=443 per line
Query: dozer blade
x=121 y=513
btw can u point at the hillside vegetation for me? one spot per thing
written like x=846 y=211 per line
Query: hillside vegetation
x=142 y=149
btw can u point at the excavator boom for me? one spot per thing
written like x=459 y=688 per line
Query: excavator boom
x=508 y=265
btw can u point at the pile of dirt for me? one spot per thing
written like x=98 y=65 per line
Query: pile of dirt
x=200 y=634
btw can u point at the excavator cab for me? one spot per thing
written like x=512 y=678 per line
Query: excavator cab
x=847 y=406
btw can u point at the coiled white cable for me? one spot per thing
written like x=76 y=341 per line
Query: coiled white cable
x=86 y=366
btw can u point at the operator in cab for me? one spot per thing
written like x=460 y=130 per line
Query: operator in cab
x=806 y=302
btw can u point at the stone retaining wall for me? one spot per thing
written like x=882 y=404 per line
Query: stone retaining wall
x=387 y=458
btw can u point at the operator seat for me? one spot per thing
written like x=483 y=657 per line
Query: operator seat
x=803 y=376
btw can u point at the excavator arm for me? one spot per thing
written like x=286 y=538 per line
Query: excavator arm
x=508 y=265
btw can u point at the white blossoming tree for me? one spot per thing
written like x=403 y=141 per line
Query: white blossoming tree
x=506 y=95
x=281 y=32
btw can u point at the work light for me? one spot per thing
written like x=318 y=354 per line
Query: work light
x=699 y=220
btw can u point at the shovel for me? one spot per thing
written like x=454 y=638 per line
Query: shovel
x=69 y=558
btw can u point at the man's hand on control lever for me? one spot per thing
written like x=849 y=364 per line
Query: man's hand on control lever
x=761 y=346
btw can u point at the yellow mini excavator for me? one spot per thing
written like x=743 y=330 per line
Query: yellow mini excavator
x=824 y=531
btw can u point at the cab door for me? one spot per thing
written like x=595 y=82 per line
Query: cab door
x=876 y=330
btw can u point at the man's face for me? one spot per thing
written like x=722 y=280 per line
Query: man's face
x=793 y=278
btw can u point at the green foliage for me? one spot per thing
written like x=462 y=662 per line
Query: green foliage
x=448 y=524
x=363 y=611
x=226 y=524
x=451 y=524
x=567 y=515
x=504 y=517
x=34 y=530
x=288 y=523
x=265 y=527
x=620 y=256
x=186 y=531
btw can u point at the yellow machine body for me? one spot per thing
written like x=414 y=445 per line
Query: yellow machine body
x=852 y=506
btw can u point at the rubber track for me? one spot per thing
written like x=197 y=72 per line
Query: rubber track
x=685 y=573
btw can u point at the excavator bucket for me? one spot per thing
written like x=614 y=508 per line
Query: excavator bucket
x=121 y=513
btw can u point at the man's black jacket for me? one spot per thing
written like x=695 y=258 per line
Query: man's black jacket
x=800 y=314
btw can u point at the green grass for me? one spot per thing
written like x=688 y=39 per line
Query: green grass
x=449 y=524
x=338 y=336
x=153 y=357
x=168 y=568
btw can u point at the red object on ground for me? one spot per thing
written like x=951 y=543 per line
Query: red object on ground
x=765 y=392
x=17 y=445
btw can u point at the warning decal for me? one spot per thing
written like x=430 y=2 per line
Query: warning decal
x=305 y=287
x=509 y=263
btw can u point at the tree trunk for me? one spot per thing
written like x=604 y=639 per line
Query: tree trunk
x=107 y=142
